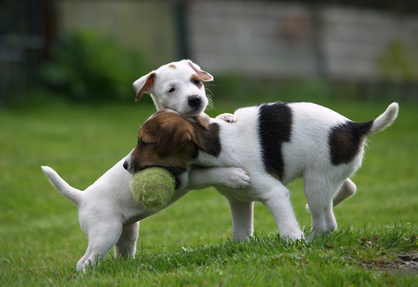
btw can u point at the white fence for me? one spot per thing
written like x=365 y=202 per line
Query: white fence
x=292 y=40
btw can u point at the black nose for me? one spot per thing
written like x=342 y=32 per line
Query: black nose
x=194 y=101
x=125 y=165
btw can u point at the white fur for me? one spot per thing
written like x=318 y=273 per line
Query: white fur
x=166 y=78
x=306 y=155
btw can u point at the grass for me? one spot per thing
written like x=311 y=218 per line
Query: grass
x=188 y=244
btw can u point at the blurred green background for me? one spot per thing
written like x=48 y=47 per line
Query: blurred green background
x=91 y=51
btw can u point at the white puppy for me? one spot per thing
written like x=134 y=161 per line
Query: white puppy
x=275 y=143
x=108 y=213
x=178 y=86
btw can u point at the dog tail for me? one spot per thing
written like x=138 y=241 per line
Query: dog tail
x=62 y=186
x=385 y=119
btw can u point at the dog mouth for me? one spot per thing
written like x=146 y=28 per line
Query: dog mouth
x=175 y=171
x=133 y=168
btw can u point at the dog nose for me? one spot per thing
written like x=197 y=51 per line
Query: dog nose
x=194 y=101
x=125 y=165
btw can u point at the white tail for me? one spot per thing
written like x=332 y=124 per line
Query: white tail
x=62 y=186
x=385 y=119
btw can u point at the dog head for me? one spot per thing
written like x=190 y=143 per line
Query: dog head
x=177 y=86
x=170 y=141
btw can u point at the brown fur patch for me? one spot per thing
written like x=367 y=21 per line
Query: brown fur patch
x=170 y=141
x=173 y=66
x=203 y=120
x=205 y=76
x=195 y=79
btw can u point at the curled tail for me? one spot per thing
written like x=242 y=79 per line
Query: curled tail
x=62 y=186
x=385 y=119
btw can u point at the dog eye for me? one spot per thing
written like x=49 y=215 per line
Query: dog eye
x=144 y=144
x=171 y=90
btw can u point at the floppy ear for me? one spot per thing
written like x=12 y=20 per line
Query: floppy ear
x=205 y=76
x=143 y=85
x=203 y=120
x=207 y=139
x=173 y=138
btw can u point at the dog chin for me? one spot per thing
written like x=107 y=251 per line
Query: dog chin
x=192 y=112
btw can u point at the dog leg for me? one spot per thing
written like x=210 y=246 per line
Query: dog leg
x=228 y=176
x=242 y=219
x=281 y=208
x=126 y=246
x=101 y=239
x=348 y=189
x=319 y=193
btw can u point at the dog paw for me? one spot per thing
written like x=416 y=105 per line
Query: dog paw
x=238 y=178
x=293 y=236
x=229 y=118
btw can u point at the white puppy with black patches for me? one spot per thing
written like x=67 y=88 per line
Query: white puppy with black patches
x=276 y=143
x=108 y=213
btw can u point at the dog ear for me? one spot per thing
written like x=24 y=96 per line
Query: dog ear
x=207 y=139
x=143 y=85
x=205 y=76
x=203 y=120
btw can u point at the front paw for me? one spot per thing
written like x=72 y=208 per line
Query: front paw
x=229 y=118
x=237 y=178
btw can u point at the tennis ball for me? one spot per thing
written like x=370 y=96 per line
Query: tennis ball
x=153 y=187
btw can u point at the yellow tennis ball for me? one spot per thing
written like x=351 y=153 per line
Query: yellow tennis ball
x=153 y=187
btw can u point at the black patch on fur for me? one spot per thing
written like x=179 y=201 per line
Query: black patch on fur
x=215 y=146
x=274 y=129
x=208 y=139
x=345 y=140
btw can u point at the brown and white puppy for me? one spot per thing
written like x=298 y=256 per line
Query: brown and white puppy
x=275 y=143
x=178 y=86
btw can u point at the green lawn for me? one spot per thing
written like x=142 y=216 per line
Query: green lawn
x=188 y=244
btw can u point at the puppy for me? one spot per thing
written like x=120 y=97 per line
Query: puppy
x=178 y=86
x=108 y=213
x=276 y=143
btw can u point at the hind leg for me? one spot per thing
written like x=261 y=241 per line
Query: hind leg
x=101 y=239
x=126 y=245
x=347 y=190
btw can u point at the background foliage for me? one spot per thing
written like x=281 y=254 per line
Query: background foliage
x=87 y=67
